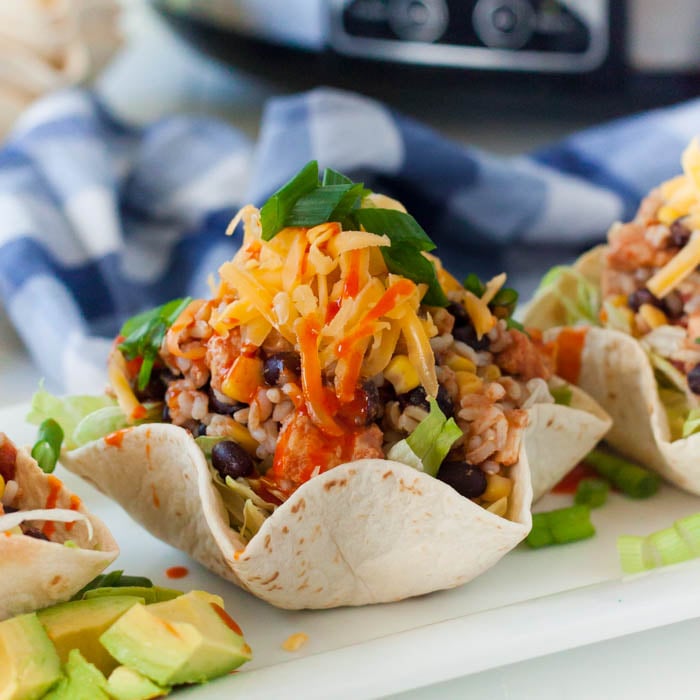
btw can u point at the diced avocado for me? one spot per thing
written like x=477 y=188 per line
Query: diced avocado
x=190 y=639
x=127 y=684
x=156 y=594
x=83 y=681
x=29 y=664
x=78 y=624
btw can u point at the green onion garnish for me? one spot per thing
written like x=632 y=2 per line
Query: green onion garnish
x=305 y=202
x=47 y=448
x=631 y=479
x=562 y=395
x=560 y=526
x=672 y=545
x=276 y=210
x=114 y=579
x=591 y=492
x=144 y=333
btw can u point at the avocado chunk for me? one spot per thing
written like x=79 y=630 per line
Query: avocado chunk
x=29 y=664
x=190 y=639
x=79 y=624
x=83 y=681
x=127 y=684
x=154 y=594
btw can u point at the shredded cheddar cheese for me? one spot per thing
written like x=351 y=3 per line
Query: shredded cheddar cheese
x=326 y=291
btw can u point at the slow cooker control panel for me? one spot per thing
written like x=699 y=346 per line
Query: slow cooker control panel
x=535 y=35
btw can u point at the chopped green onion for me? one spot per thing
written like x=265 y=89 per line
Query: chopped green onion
x=689 y=528
x=672 y=545
x=333 y=177
x=512 y=323
x=319 y=206
x=411 y=264
x=401 y=228
x=474 y=285
x=669 y=547
x=47 y=448
x=633 y=554
x=691 y=424
x=114 y=579
x=560 y=526
x=631 y=479
x=275 y=211
x=562 y=395
x=591 y=492
x=144 y=334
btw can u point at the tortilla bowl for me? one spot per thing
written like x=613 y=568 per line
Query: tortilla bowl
x=616 y=371
x=349 y=536
x=35 y=572
x=559 y=437
x=370 y=531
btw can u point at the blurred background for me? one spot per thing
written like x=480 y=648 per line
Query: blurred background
x=507 y=75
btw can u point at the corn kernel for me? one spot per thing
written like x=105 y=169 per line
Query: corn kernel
x=653 y=316
x=468 y=383
x=667 y=215
x=460 y=364
x=500 y=507
x=240 y=434
x=402 y=374
x=491 y=372
x=497 y=487
x=619 y=300
x=2 y=486
x=243 y=379
x=295 y=641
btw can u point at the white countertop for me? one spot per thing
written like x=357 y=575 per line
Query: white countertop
x=643 y=666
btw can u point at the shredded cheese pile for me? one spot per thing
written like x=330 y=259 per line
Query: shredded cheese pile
x=328 y=292
x=681 y=197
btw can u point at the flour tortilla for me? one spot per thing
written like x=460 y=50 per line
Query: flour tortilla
x=559 y=437
x=617 y=373
x=370 y=531
x=35 y=573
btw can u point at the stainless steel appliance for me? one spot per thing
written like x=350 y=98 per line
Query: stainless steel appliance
x=533 y=36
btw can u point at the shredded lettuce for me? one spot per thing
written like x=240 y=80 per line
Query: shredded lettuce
x=691 y=424
x=68 y=411
x=562 y=394
x=427 y=446
x=583 y=307
x=84 y=418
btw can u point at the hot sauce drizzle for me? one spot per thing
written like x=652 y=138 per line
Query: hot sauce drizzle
x=55 y=486
x=177 y=572
x=569 y=347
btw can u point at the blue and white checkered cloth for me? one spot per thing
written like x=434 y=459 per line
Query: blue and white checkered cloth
x=99 y=220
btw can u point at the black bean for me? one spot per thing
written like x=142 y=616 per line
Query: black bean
x=33 y=532
x=418 y=397
x=278 y=368
x=230 y=459
x=201 y=430
x=372 y=402
x=224 y=408
x=467 y=334
x=673 y=305
x=467 y=480
x=459 y=312
x=166 y=414
x=694 y=379
x=157 y=384
x=643 y=296
x=680 y=235
x=415 y=397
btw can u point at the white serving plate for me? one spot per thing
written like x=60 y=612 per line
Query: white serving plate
x=530 y=604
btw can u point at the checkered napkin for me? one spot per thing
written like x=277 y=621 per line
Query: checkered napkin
x=99 y=220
